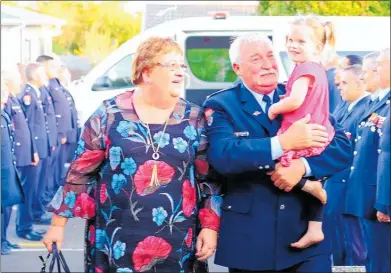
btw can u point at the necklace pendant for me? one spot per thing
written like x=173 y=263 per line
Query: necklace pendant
x=155 y=156
x=154 y=178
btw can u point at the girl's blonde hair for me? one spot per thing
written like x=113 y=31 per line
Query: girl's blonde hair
x=324 y=32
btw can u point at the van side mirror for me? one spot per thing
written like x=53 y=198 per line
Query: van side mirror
x=102 y=83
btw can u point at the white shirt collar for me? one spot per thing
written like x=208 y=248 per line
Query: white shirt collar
x=352 y=104
x=36 y=89
x=383 y=93
x=375 y=94
x=259 y=96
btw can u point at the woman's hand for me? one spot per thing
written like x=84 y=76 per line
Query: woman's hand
x=55 y=234
x=206 y=243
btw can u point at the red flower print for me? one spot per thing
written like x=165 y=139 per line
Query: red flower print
x=103 y=194
x=149 y=252
x=88 y=161
x=202 y=166
x=124 y=100
x=142 y=178
x=98 y=270
x=208 y=115
x=108 y=143
x=189 y=237
x=189 y=198
x=91 y=235
x=209 y=219
x=84 y=206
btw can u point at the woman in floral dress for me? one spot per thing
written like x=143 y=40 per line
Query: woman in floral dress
x=140 y=177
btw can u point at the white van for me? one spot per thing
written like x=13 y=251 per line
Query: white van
x=206 y=41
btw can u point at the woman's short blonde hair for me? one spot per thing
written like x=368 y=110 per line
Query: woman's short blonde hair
x=148 y=52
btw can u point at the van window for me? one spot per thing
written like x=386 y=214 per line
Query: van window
x=208 y=58
x=288 y=64
x=117 y=77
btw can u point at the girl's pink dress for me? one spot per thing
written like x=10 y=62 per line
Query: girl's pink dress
x=316 y=103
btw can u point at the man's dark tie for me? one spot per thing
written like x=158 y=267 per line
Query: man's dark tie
x=268 y=101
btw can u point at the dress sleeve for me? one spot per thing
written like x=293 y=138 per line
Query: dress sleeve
x=309 y=69
x=209 y=184
x=76 y=197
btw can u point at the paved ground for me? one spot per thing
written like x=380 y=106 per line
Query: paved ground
x=26 y=259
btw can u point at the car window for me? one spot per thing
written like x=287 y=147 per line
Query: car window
x=208 y=58
x=117 y=77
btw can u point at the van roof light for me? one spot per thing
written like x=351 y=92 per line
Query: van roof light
x=219 y=15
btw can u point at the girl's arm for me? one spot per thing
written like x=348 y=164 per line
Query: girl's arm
x=294 y=100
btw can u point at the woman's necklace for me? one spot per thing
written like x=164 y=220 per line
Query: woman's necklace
x=155 y=154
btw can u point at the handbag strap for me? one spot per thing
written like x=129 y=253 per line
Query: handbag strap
x=57 y=258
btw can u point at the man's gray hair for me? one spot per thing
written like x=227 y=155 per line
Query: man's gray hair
x=356 y=69
x=31 y=70
x=372 y=58
x=234 y=50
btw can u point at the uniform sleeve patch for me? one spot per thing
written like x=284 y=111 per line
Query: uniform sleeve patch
x=27 y=99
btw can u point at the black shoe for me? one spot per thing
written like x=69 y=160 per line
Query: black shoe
x=40 y=231
x=31 y=236
x=13 y=246
x=5 y=250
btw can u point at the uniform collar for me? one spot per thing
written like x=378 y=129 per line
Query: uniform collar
x=354 y=103
x=258 y=96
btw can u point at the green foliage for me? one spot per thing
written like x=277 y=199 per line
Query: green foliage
x=93 y=29
x=325 y=8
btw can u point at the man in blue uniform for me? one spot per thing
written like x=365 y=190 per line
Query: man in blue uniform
x=361 y=192
x=63 y=115
x=348 y=60
x=31 y=102
x=47 y=181
x=11 y=189
x=259 y=219
x=353 y=92
x=72 y=135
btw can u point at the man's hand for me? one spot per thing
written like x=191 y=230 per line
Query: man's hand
x=301 y=135
x=381 y=217
x=53 y=148
x=285 y=178
x=63 y=140
x=206 y=243
x=36 y=159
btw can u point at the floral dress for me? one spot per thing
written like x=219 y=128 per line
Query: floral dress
x=134 y=225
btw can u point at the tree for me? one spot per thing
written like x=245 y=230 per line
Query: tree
x=325 y=8
x=93 y=29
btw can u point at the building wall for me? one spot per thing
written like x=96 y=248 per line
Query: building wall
x=11 y=50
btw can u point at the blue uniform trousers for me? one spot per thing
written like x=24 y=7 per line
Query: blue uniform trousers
x=356 y=250
x=5 y=219
x=40 y=190
x=318 y=263
x=377 y=240
x=333 y=227
x=51 y=181
x=29 y=178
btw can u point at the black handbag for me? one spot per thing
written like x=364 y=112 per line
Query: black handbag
x=56 y=258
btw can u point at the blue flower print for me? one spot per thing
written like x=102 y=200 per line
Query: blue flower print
x=80 y=147
x=57 y=199
x=129 y=166
x=159 y=215
x=66 y=213
x=123 y=270
x=100 y=238
x=179 y=144
x=125 y=128
x=70 y=199
x=195 y=145
x=190 y=132
x=118 y=182
x=119 y=249
x=165 y=140
x=115 y=157
x=99 y=112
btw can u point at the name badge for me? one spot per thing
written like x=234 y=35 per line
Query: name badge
x=15 y=107
x=242 y=134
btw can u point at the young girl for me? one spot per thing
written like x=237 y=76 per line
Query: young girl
x=307 y=93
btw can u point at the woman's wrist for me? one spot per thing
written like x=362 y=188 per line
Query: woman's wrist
x=59 y=221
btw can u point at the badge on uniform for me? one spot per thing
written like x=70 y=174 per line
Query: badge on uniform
x=242 y=134
x=257 y=113
x=348 y=134
x=27 y=99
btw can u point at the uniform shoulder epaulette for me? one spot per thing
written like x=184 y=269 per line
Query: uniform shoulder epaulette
x=224 y=90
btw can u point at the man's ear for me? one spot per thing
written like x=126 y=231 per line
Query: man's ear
x=236 y=69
